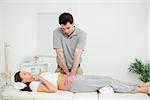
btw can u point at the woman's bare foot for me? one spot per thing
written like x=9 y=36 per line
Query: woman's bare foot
x=142 y=90
x=147 y=84
x=148 y=90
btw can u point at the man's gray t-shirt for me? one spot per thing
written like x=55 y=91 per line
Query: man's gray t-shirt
x=76 y=40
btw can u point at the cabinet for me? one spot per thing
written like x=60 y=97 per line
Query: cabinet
x=34 y=68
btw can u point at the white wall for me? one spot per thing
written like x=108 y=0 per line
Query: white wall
x=149 y=31
x=117 y=33
x=19 y=32
x=1 y=40
x=46 y=22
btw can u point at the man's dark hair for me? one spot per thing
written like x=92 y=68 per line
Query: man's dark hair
x=65 y=17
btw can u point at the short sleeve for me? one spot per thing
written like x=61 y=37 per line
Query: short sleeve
x=57 y=39
x=34 y=85
x=81 y=42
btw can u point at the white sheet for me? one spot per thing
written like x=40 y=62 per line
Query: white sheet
x=12 y=94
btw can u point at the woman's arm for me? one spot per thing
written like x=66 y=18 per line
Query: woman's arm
x=46 y=86
x=43 y=88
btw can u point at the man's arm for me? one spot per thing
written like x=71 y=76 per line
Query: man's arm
x=76 y=61
x=61 y=60
x=78 y=52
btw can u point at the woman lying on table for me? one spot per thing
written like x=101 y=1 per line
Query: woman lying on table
x=51 y=82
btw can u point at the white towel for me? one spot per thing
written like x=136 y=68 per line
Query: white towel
x=19 y=85
x=106 y=91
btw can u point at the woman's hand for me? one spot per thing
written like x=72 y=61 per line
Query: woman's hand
x=38 y=78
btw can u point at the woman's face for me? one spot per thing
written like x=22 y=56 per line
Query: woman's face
x=26 y=76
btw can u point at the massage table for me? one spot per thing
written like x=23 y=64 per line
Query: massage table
x=10 y=93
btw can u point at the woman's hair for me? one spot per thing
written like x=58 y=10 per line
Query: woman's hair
x=17 y=78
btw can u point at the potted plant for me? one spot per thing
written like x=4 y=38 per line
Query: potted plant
x=141 y=69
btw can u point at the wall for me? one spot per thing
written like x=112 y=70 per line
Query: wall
x=1 y=40
x=20 y=32
x=148 y=31
x=117 y=32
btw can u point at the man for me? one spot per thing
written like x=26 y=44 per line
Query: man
x=69 y=43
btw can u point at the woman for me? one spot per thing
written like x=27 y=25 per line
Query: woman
x=51 y=82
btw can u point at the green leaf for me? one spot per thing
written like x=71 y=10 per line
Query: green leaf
x=141 y=69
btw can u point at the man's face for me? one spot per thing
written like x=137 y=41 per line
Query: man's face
x=68 y=28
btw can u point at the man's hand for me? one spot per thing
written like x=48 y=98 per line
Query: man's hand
x=68 y=82
x=73 y=73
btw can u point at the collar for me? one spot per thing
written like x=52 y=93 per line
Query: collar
x=73 y=34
